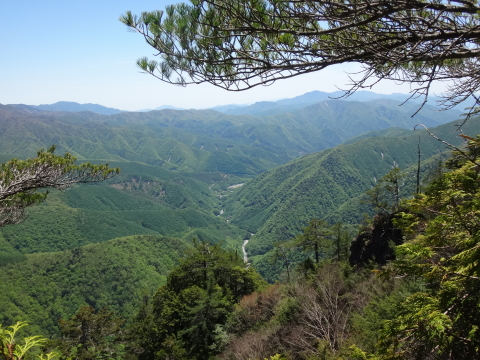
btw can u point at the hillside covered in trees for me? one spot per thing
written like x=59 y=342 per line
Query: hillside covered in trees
x=320 y=227
x=152 y=258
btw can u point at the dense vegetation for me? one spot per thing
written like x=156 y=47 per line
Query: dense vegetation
x=141 y=200
x=276 y=205
x=187 y=315
x=202 y=140
x=422 y=305
x=107 y=254
x=115 y=274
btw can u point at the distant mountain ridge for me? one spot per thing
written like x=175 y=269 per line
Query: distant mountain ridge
x=228 y=107
x=162 y=108
x=265 y=108
x=205 y=140
x=261 y=108
x=70 y=106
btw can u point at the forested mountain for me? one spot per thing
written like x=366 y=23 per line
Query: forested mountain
x=143 y=199
x=189 y=174
x=88 y=136
x=265 y=108
x=114 y=274
x=277 y=204
x=154 y=214
x=72 y=107
x=204 y=140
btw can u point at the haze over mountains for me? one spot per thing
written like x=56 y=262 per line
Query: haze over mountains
x=299 y=158
x=261 y=108
x=162 y=108
x=73 y=107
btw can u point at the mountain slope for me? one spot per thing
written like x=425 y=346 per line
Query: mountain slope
x=277 y=204
x=116 y=274
x=141 y=200
x=23 y=133
x=205 y=140
x=264 y=108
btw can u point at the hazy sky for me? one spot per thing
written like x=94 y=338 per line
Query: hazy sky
x=77 y=50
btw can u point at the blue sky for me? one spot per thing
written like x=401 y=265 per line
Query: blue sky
x=74 y=50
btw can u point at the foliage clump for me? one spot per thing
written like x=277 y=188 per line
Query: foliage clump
x=91 y=334
x=444 y=253
x=187 y=315
x=11 y=348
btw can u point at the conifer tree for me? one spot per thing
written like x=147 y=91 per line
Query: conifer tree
x=442 y=225
x=237 y=45
x=316 y=237
x=21 y=180
x=187 y=313
x=11 y=348
x=90 y=334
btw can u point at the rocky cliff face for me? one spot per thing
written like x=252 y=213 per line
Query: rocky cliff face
x=377 y=243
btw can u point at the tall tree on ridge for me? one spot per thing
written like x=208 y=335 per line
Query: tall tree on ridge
x=316 y=237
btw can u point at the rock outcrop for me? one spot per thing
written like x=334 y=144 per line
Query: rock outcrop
x=377 y=243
